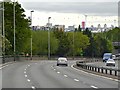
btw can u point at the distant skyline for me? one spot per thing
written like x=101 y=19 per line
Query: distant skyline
x=72 y=12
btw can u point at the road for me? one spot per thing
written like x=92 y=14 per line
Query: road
x=45 y=74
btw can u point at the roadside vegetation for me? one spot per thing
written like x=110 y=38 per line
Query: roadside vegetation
x=77 y=43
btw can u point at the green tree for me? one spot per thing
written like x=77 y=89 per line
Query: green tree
x=22 y=32
x=40 y=43
x=102 y=45
x=89 y=51
x=77 y=43
x=79 y=28
x=64 y=43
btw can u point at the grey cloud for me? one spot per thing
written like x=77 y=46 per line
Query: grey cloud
x=93 y=8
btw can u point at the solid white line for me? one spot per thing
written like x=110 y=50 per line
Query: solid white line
x=25 y=75
x=76 y=80
x=94 y=87
x=65 y=76
x=95 y=74
x=32 y=87
x=28 y=80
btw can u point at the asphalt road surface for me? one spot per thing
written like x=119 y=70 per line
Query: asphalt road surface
x=45 y=74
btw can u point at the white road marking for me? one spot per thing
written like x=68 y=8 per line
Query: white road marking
x=65 y=76
x=32 y=87
x=95 y=74
x=25 y=75
x=5 y=65
x=24 y=72
x=28 y=65
x=58 y=72
x=94 y=87
x=25 y=69
x=54 y=69
x=28 y=80
x=76 y=80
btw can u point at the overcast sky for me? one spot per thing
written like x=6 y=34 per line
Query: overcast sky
x=96 y=8
x=70 y=8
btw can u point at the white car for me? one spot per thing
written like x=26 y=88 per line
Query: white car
x=110 y=62
x=62 y=61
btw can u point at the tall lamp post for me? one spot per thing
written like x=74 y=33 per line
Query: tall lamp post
x=31 y=36
x=73 y=42
x=85 y=21
x=14 y=31
x=3 y=32
x=49 y=38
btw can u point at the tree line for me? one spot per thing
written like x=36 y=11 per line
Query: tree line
x=77 y=43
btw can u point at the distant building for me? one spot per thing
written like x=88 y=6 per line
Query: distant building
x=70 y=29
x=59 y=27
x=83 y=25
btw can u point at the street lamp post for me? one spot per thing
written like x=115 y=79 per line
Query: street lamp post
x=49 y=38
x=3 y=32
x=31 y=36
x=73 y=42
x=14 y=31
x=86 y=21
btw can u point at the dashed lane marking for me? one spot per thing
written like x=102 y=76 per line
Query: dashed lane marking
x=33 y=87
x=58 y=72
x=25 y=75
x=94 y=87
x=24 y=72
x=65 y=76
x=28 y=80
x=76 y=80
x=28 y=65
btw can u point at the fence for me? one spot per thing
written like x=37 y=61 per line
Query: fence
x=103 y=70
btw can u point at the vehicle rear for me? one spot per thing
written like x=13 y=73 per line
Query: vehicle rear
x=110 y=62
x=107 y=56
x=62 y=61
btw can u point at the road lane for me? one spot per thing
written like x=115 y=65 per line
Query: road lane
x=45 y=74
x=13 y=76
x=87 y=79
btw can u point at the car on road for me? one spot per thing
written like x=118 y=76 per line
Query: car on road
x=62 y=61
x=107 y=56
x=110 y=62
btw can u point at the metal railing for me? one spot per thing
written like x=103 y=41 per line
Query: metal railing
x=98 y=69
